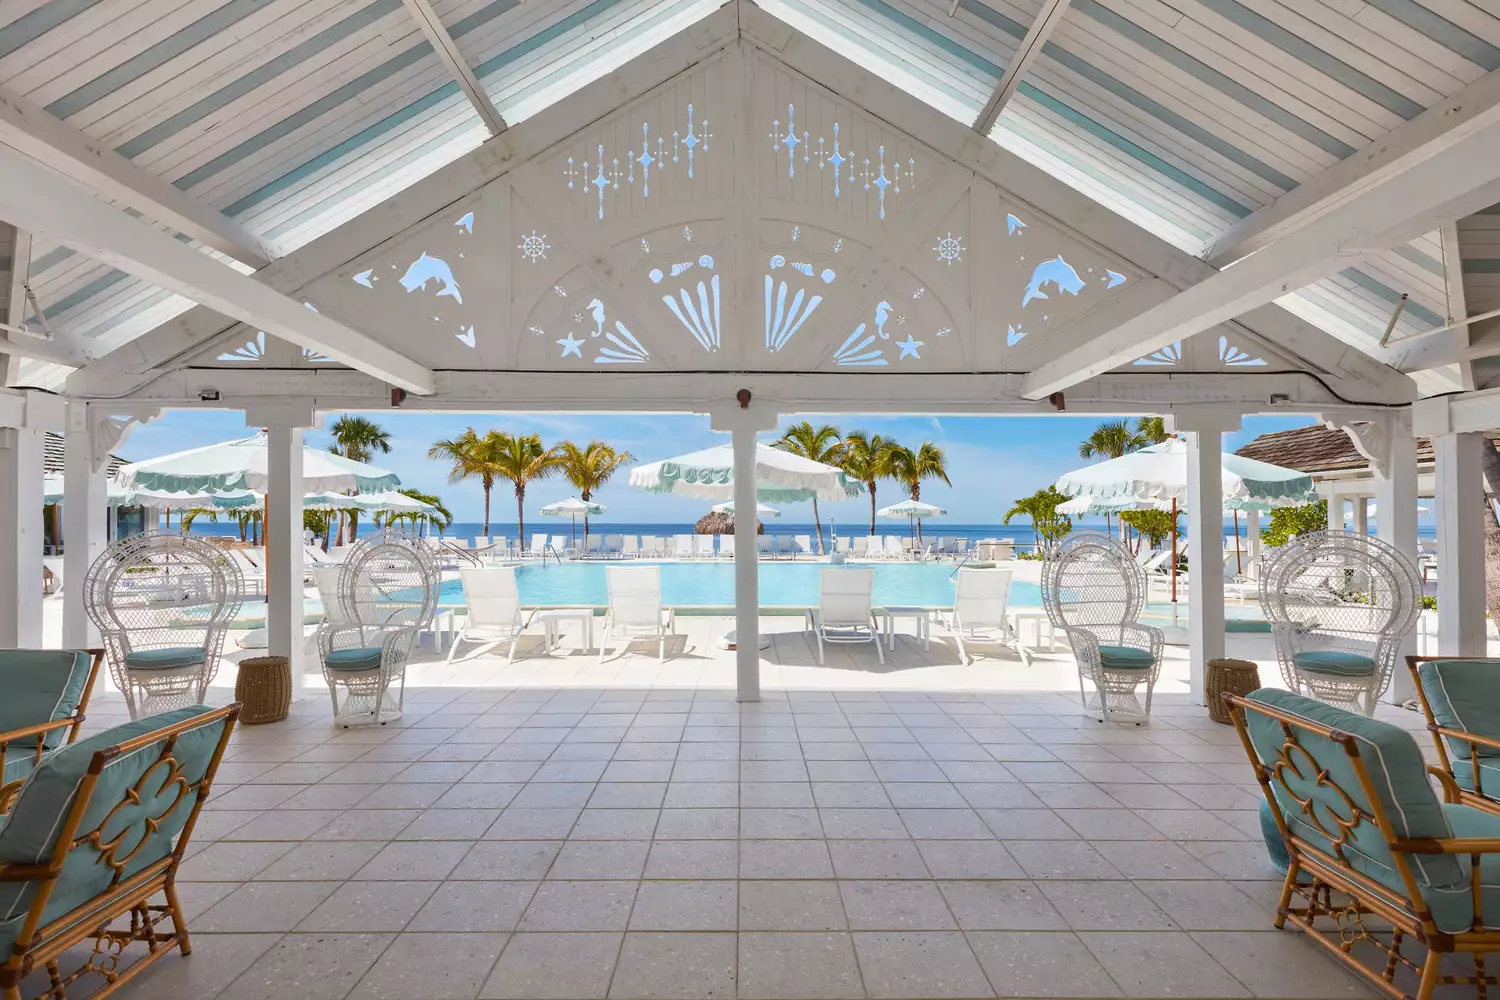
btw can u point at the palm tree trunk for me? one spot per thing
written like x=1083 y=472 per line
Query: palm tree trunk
x=520 y=515
x=916 y=496
x=584 y=496
x=817 y=523
x=871 y=485
x=487 y=510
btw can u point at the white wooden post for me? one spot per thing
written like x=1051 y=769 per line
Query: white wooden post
x=743 y=423
x=1205 y=511
x=1361 y=515
x=1460 y=494
x=283 y=534
x=24 y=418
x=85 y=523
x=1396 y=524
x=1335 y=510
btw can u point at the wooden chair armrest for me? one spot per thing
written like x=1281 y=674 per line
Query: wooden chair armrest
x=40 y=729
x=1454 y=845
x=1465 y=735
x=1451 y=791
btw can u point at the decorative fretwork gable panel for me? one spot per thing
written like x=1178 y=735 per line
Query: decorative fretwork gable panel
x=739 y=217
x=1227 y=348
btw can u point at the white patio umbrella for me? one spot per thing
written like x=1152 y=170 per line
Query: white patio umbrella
x=573 y=507
x=913 y=510
x=242 y=465
x=780 y=477
x=1159 y=474
x=761 y=510
x=52 y=492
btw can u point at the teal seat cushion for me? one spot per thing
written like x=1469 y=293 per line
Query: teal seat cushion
x=166 y=658
x=1275 y=843
x=1125 y=658
x=40 y=685
x=359 y=658
x=1462 y=696
x=1331 y=661
x=1398 y=774
x=147 y=828
x=1453 y=908
x=19 y=762
x=1489 y=775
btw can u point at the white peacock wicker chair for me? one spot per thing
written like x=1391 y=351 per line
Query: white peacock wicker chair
x=162 y=603
x=1093 y=589
x=387 y=595
x=1339 y=603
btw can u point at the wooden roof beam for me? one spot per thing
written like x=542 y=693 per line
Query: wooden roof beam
x=40 y=202
x=447 y=50
x=1047 y=19
x=31 y=130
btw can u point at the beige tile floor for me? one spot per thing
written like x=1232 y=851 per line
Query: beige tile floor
x=565 y=828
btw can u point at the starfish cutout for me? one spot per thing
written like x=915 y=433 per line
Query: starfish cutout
x=571 y=345
x=909 y=347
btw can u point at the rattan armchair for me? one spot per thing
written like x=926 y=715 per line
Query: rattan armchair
x=46 y=693
x=387 y=595
x=1094 y=590
x=1378 y=866
x=1460 y=696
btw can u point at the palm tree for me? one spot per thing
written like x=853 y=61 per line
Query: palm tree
x=359 y=439
x=439 y=518
x=1111 y=439
x=866 y=458
x=522 y=459
x=472 y=457
x=589 y=468
x=1027 y=507
x=820 y=444
x=1151 y=430
x=910 y=468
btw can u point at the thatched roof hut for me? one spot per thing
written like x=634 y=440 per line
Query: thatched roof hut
x=721 y=523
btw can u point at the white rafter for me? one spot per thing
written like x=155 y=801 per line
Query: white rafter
x=38 y=200
x=1430 y=134
x=32 y=130
x=1455 y=175
x=1048 y=18
x=1458 y=302
x=447 y=50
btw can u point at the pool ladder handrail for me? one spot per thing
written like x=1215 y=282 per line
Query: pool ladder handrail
x=454 y=550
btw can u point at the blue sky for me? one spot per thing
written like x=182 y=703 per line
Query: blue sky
x=991 y=460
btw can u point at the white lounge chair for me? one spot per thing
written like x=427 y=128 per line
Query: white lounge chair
x=482 y=542
x=979 y=612
x=682 y=546
x=254 y=576
x=593 y=546
x=313 y=555
x=614 y=545
x=630 y=546
x=494 y=614
x=801 y=545
x=844 y=545
x=703 y=546
x=860 y=547
x=635 y=608
x=844 y=612
x=538 y=545
x=726 y=546
x=650 y=545
x=764 y=545
x=895 y=548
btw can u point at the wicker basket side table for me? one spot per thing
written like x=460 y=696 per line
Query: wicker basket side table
x=1229 y=677
x=264 y=687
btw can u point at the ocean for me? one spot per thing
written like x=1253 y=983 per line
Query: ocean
x=1020 y=534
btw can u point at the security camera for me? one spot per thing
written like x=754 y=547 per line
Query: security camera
x=208 y=395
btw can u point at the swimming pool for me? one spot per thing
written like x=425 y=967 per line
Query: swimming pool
x=712 y=584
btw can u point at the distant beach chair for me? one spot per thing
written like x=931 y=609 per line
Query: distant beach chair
x=844 y=612
x=895 y=548
x=614 y=545
x=501 y=547
x=562 y=546
x=979 y=612
x=801 y=545
x=635 y=608
x=538 y=545
x=593 y=545
x=843 y=545
x=254 y=576
x=482 y=542
x=703 y=546
x=459 y=543
x=630 y=546
x=494 y=614
x=860 y=546
x=764 y=546
x=726 y=546
x=650 y=545
x=314 y=555
x=682 y=546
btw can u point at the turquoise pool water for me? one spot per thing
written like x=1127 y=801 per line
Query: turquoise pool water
x=786 y=583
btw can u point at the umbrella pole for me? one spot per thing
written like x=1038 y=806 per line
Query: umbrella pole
x=1238 y=566
x=1174 y=550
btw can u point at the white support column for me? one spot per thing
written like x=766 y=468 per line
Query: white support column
x=1205 y=512
x=283 y=534
x=1361 y=515
x=1396 y=525
x=743 y=423
x=1335 y=511
x=85 y=523
x=20 y=538
x=1460 y=499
